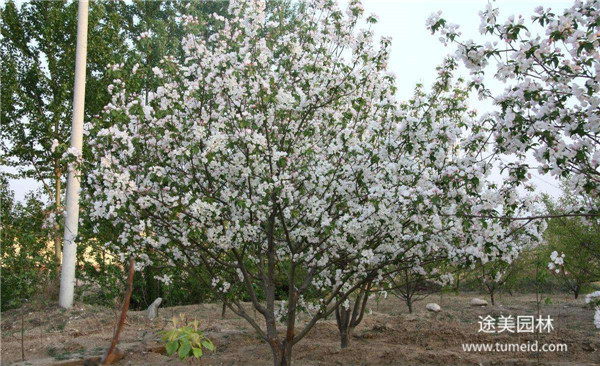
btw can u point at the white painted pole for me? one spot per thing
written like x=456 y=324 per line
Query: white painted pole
x=67 y=275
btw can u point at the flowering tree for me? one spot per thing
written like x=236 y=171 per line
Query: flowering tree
x=444 y=144
x=275 y=157
x=410 y=286
x=550 y=106
x=494 y=276
x=574 y=246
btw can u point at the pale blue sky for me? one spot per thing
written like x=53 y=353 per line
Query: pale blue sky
x=415 y=52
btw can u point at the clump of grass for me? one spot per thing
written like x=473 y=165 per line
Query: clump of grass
x=62 y=354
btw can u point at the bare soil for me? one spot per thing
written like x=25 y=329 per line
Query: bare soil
x=388 y=335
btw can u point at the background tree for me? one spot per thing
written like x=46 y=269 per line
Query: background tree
x=27 y=264
x=411 y=285
x=573 y=246
x=38 y=54
x=38 y=59
x=493 y=276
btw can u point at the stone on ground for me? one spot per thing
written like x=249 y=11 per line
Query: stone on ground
x=152 y=311
x=433 y=307
x=478 y=302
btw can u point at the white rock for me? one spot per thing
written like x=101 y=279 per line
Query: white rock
x=478 y=302
x=433 y=307
x=152 y=310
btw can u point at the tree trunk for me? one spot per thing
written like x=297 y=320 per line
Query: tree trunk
x=57 y=233
x=492 y=297
x=342 y=318
x=69 y=258
x=349 y=318
x=223 y=311
x=345 y=337
x=409 y=304
x=152 y=285
x=282 y=353
x=576 y=291
x=457 y=290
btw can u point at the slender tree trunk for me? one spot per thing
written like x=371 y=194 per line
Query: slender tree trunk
x=223 y=310
x=409 y=292
x=57 y=203
x=110 y=355
x=492 y=297
x=409 y=304
x=576 y=291
x=457 y=290
x=67 y=274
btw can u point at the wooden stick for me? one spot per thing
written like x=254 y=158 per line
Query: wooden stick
x=22 y=334
x=110 y=356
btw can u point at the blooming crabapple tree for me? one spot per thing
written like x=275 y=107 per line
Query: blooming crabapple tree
x=261 y=149
x=550 y=106
x=441 y=138
x=276 y=157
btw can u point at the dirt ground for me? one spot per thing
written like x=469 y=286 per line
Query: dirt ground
x=388 y=335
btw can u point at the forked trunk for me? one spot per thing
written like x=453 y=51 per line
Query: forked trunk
x=349 y=318
x=282 y=353
x=342 y=318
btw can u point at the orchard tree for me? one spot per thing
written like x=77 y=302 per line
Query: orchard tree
x=410 y=286
x=275 y=156
x=550 y=107
x=574 y=245
x=26 y=261
x=494 y=276
x=443 y=138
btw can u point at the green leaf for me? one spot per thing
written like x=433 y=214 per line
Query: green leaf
x=197 y=352
x=184 y=350
x=208 y=345
x=171 y=347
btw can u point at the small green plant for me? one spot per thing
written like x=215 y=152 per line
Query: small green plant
x=186 y=340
